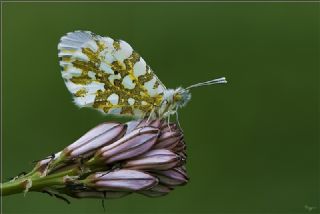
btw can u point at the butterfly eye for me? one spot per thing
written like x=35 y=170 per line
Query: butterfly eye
x=177 y=97
x=116 y=72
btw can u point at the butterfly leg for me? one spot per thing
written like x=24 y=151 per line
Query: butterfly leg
x=177 y=118
x=146 y=122
x=150 y=115
x=159 y=110
x=168 y=122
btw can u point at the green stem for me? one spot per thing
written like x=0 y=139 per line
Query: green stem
x=38 y=183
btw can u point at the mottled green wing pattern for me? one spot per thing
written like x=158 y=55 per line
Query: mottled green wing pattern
x=108 y=75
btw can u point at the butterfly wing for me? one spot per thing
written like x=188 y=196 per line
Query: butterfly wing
x=108 y=75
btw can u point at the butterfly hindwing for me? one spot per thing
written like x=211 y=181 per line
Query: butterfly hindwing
x=108 y=75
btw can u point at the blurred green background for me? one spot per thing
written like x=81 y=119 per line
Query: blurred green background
x=253 y=144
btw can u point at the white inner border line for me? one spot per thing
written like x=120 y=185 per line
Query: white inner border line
x=191 y=1
x=1 y=108
x=2 y=2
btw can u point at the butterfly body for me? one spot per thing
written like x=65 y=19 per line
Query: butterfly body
x=110 y=76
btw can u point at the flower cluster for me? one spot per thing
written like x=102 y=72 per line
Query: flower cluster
x=113 y=160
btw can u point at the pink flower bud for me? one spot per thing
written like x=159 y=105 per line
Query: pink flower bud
x=172 y=177
x=121 y=180
x=158 y=159
x=156 y=191
x=113 y=160
x=152 y=123
x=131 y=145
x=97 y=137
x=135 y=124
x=48 y=159
x=171 y=127
x=97 y=194
x=180 y=146
x=168 y=140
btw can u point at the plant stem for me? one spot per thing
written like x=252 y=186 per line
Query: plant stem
x=38 y=182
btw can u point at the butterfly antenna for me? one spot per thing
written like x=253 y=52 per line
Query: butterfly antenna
x=210 y=82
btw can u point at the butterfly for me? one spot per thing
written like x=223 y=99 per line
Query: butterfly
x=108 y=75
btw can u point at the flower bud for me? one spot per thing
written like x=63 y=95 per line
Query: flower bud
x=156 y=191
x=158 y=159
x=183 y=156
x=48 y=159
x=132 y=125
x=133 y=144
x=97 y=194
x=123 y=149
x=97 y=137
x=121 y=180
x=168 y=140
x=172 y=177
x=135 y=124
x=171 y=127
x=180 y=146
x=152 y=123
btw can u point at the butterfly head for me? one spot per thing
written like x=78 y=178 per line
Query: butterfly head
x=177 y=98
x=174 y=99
x=181 y=97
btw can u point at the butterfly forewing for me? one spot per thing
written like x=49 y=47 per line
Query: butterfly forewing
x=108 y=75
